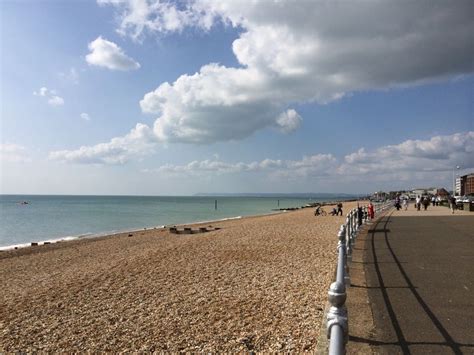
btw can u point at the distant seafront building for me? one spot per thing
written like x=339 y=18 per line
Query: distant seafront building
x=419 y=192
x=433 y=191
x=464 y=185
x=379 y=195
x=442 y=192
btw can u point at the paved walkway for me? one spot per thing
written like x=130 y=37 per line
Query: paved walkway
x=412 y=284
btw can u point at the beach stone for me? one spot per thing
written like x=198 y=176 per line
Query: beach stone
x=130 y=235
x=34 y=244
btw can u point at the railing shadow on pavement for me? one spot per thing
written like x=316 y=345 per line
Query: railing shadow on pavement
x=402 y=342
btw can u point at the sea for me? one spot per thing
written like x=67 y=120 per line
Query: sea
x=39 y=218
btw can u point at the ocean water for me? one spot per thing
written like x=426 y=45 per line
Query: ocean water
x=55 y=217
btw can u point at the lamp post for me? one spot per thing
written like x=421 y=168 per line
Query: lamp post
x=454 y=180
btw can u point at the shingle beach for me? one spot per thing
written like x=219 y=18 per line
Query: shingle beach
x=256 y=284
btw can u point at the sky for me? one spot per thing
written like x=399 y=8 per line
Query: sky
x=153 y=97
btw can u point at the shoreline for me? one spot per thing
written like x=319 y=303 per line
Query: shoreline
x=135 y=230
x=114 y=233
x=102 y=234
x=64 y=241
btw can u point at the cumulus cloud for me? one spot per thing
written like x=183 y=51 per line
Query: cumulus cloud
x=440 y=153
x=108 y=55
x=407 y=160
x=85 y=116
x=292 y=52
x=289 y=121
x=296 y=51
x=138 y=143
x=51 y=96
x=216 y=104
x=15 y=153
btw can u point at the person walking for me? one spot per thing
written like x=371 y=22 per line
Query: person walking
x=426 y=202
x=405 y=204
x=452 y=203
x=418 y=202
x=370 y=210
x=397 y=203
x=339 y=208
x=433 y=201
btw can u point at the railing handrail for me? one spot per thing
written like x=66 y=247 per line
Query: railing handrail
x=337 y=323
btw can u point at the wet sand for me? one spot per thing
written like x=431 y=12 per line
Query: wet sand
x=257 y=284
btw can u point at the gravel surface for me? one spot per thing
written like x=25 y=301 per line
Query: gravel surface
x=257 y=284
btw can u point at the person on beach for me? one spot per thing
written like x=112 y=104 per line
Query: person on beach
x=333 y=212
x=317 y=211
x=339 y=208
x=433 y=201
x=405 y=204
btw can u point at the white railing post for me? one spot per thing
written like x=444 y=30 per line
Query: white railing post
x=337 y=322
x=337 y=319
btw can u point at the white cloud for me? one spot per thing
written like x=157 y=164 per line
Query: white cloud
x=41 y=92
x=14 y=153
x=289 y=121
x=297 y=51
x=318 y=164
x=412 y=159
x=85 y=116
x=56 y=100
x=216 y=104
x=291 y=52
x=108 y=55
x=157 y=16
x=138 y=143
x=71 y=76
x=440 y=153
x=51 y=95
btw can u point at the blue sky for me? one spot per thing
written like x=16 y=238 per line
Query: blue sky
x=157 y=97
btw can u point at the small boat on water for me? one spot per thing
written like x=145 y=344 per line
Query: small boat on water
x=24 y=203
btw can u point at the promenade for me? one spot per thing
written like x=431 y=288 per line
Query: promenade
x=412 y=283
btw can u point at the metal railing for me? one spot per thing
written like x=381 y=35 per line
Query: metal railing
x=337 y=323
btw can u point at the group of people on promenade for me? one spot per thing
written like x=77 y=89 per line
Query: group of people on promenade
x=420 y=200
x=424 y=201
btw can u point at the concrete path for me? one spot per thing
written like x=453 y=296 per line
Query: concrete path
x=412 y=284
